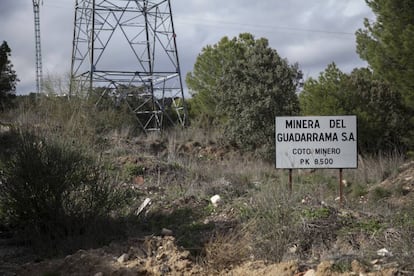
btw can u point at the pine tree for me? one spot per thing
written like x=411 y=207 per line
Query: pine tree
x=387 y=44
x=8 y=77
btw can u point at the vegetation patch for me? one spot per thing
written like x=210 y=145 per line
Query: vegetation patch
x=52 y=190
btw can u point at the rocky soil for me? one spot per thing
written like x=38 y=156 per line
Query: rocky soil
x=159 y=255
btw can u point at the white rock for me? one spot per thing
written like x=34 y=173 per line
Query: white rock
x=143 y=205
x=310 y=272
x=292 y=249
x=383 y=252
x=166 y=232
x=376 y=261
x=215 y=200
x=4 y=129
x=123 y=258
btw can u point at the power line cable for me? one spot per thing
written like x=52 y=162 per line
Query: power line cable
x=203 y=22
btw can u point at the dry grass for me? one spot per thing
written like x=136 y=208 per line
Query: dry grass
x=374 y=169
x=229 y=249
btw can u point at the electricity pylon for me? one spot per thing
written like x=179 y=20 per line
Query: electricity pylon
x=126 y=50
x=39 y=73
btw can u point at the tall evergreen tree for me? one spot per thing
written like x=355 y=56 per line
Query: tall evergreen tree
x=253 y=90
x=382 y=118
x=387 y=44
x=8 y=77
x=322 y=96
x=208 y=69
x=241 y=84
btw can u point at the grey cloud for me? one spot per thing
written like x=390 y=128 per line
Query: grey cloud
x=9 y=7
x=303 y=31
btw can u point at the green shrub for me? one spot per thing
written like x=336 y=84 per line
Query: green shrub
x=316 y=213
x=131 y=170
x=342 y=265
x=380 y=193
x=51 y=189
x=370 y=226
x=358 y=190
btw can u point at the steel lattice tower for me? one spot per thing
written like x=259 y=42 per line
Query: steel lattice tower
x=39 y=72
x=126 y=50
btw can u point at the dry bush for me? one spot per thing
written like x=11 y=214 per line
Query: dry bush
x=208 y=173
x=75 y=118
x=273 y=221
x=376 y=168
x=53 y=190
x=226 y=249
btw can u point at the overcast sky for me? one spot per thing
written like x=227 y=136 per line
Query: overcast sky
x=313 y=33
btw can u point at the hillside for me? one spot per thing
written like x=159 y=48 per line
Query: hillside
x=256 y=228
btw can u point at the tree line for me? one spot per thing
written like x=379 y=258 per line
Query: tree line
x=240 y=84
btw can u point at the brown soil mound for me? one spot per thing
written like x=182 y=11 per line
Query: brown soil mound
x=149 y=256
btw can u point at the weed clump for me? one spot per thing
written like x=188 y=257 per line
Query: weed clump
x=52 y=190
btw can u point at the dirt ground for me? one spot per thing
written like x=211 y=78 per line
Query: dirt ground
x=160 y=256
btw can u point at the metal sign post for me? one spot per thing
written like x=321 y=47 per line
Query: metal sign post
x=341 y=189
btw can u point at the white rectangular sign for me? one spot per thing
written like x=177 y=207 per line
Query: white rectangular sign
x=316 y=142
